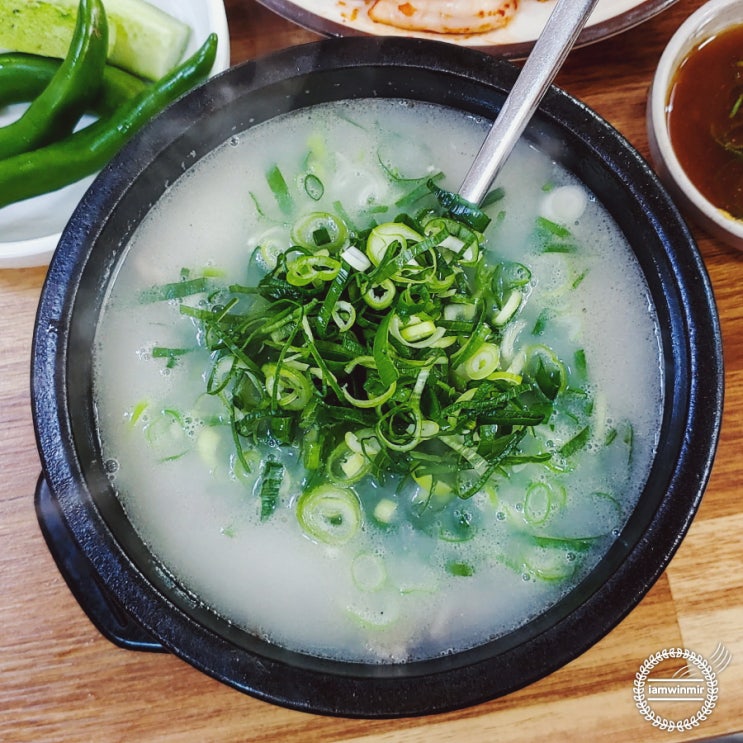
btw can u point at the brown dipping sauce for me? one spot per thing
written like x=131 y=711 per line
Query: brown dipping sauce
x=705 y=119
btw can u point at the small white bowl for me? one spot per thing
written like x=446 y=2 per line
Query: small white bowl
x=30 y=229
x=709 y=20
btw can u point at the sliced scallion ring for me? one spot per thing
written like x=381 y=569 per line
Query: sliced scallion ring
x=368 y=571
x=509 y=309
x=549 y=560
x=370 y=402
x=290 y=387
x=363 y=441
x=483 y=362
x=460 y=239
x=166 y=433
x=387 y=235
x=346 y=467
x=505 y=376
x=344 y=315
x=329 y=514
x=537 y=503
x=355 y=258
x=320 y=230
x=380 y=296
x=313 y=187
x=305 y=269
x=416 y=333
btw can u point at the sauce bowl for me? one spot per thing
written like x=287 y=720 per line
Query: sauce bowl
x=118 y=582
x=711 y=19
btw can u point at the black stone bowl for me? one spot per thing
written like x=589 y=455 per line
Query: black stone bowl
x=115 y=578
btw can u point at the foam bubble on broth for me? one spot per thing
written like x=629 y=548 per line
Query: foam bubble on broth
x=269 y=577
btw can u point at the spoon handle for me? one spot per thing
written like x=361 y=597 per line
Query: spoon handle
x=557 y=38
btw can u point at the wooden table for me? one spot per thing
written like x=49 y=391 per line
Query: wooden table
x=61 y=680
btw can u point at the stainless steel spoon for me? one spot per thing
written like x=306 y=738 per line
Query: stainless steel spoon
x=556 y=40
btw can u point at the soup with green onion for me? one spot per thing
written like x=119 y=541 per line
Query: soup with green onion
x=360 y=418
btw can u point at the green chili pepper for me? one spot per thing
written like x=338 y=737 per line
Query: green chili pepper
x=77 y=81
x=88 y=150
x=25 y=76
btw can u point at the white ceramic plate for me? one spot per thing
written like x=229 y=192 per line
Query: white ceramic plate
x=30 y=229
x=349 y=17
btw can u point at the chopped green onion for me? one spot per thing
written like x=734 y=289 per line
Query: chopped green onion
x=368 y=572
x=537 y=503
x=736 y=106
x=388 y=373
x=509 y=309
x=483 y=362
x=459 y=569
x=308 y=268
x=271 y=479
x=492 y=197
x=171 y=354
x=384 y=511
x=279 y=189
x=577 y=443
x=291 y=389
x=137 y=412
x=380 y=296
x=547 y=370
x=177 y=290
x=549 y=563
x=355 y=258
x=313 y=186
x=329 y=513
x=553 y=228
x=166 y=433
x=344 y=315
x=371 y=402
x=544 y=316
x=320 y=230
x=388 y=356
x=390 y=236
x=461 y=209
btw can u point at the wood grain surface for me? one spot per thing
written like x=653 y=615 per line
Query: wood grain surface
x=60 y=680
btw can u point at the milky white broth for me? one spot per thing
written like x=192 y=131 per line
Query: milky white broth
x=385 y=596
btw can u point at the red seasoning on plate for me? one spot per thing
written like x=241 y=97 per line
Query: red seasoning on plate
x=444 y=16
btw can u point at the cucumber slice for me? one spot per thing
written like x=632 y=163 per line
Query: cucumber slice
x=143 y=39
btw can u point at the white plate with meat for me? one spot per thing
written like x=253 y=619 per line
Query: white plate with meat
x=505 y=27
